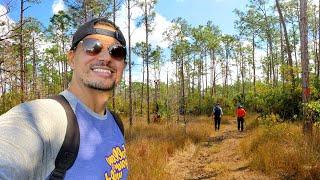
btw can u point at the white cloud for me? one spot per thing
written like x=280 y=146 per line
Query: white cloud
x=58 y=5
x=138 y=33
x=161 y=24
x=5 y=21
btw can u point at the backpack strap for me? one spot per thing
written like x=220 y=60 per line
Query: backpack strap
x=118 y=121
x=70 y=147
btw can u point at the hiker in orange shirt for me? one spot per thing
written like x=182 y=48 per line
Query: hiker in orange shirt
x=241 y=112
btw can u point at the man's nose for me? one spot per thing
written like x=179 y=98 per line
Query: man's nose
x=104 y=55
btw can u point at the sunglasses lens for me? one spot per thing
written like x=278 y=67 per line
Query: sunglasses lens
x=92 y=46
x=118 y=51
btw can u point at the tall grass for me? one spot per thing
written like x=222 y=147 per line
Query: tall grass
x=149 y=146
x=281 y=149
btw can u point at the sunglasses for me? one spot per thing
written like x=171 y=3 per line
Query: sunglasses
x=93 y=47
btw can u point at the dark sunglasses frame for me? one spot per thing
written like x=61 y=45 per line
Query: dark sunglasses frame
x=93 y=47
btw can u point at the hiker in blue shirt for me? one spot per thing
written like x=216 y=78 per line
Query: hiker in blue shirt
x=217 y=113
x=32 y=133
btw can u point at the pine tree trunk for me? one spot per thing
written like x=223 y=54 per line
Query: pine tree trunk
x=130 y=76
x=21 y=52
x=34 y=73
x=305 y=61
x=254 y=64
x=147 y=60
x=318 y=72
x=288 y=48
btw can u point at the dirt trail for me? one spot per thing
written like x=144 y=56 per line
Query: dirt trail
x=217 y=158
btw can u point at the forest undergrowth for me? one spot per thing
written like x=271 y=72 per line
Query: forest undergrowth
x=276 y=149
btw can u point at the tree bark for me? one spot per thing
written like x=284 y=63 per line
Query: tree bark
x=21 y=52
x=114 y=90
x=253 y=63
x=130 y=76
x=34 y=73
x=288 y=48
x=304 y=50
x=305 y=61
x=318 y=72
x=147 y=58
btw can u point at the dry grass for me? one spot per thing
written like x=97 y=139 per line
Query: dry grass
x=283 y=150
x=150 y=145
x=280 y=150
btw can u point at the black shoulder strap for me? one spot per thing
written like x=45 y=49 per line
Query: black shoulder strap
x=70 y=147
x=118 y=121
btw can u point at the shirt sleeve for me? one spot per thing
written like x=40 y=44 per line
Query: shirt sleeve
x=30 y=138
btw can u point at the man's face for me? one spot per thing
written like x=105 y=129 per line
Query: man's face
x=101 y=71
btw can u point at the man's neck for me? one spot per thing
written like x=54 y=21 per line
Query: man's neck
x=94 y=99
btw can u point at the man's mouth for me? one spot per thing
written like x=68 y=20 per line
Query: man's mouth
x=103 y=71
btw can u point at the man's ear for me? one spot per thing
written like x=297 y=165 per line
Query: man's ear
x=70 y=57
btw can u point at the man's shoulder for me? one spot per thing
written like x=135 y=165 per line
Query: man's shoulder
x=34 y=106
x=40 y=124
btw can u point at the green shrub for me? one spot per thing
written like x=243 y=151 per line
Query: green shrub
x=313 y=111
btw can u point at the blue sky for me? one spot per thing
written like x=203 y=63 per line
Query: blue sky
x=196 y=12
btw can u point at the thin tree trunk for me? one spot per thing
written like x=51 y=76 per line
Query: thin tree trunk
x=288 y=49
x=282 y=54
x=84 y=4
x=214 y=72
x=167 y=96
x=142 y=87
x=114 y=11
x=21 y=52
x=147 y=59
x=226 y=72
x=114 y=89
x=182 y=93
x=199 y=85
x=295 y=46
x=305 y=60
x=206 y=70
x=314 y=32
x=242 y=70
x=270 y=44
x=193 y=74
x=130 y=76
x=304 y=50
x=34 y=73
x=318 y=72
x=254 y=64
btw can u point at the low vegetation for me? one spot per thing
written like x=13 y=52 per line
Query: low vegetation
x=282 y=150
x=150 y=146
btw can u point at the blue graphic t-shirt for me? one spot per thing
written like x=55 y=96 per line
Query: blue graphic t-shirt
x=102 y=153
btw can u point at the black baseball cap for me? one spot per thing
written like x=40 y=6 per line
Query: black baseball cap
x=88 y=28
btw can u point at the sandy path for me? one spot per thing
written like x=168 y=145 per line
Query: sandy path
x=217 y=158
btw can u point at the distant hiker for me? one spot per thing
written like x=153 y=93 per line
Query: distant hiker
x=241 y=112
x=217 y=113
